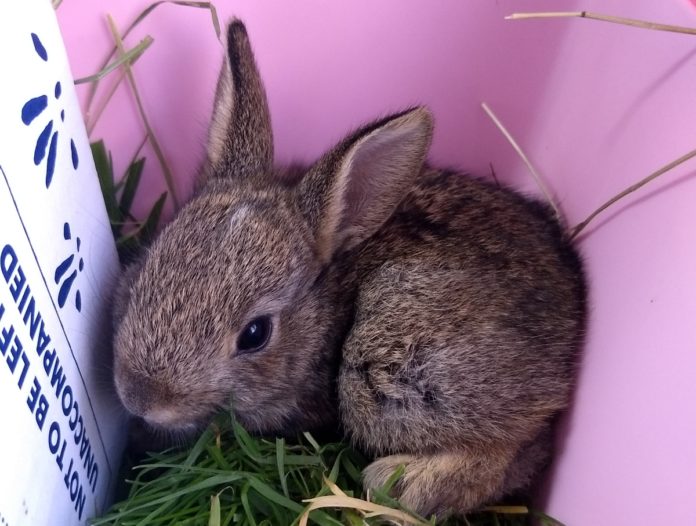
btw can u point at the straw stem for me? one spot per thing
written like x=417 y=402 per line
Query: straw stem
x=168 y=176
x=605 y=18
x=666 y=168
x=144 y=14
x=129 y=56
x=525 y=159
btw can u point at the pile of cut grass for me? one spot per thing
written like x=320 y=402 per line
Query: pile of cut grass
x=230 y=477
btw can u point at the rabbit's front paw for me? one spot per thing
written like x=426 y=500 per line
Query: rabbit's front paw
x=440 y=483
x=414 y=490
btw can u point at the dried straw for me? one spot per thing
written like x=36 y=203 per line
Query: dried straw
x=138 y=19
x=525 y=159
x=168 y=176
x=666 y=168
x=604 y=18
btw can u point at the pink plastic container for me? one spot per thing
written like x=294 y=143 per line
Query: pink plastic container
x=595 y=106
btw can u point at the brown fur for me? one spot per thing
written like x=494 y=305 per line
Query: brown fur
x=437 y=316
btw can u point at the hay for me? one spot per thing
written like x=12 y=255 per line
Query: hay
x=525 y=159
x=643 y=24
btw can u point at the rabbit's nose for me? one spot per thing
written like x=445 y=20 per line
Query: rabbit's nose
x=144 y=396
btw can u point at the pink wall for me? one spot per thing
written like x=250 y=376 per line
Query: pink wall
x=595 y=106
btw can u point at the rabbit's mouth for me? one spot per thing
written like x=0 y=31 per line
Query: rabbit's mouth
x=170 y=421
x=167 y=418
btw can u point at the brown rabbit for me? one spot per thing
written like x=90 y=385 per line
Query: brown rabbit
x=436 y=317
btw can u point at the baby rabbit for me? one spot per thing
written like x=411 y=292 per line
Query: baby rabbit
x=435 y=317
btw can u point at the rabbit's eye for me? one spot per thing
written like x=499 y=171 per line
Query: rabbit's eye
x=255 y=335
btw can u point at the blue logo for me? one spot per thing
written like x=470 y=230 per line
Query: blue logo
x=47 y=141
x=64 y=277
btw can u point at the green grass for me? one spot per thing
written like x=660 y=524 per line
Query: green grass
x=230 y=477
x=129 y=233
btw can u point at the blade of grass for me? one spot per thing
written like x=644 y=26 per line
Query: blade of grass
x=273 y=496
x=119 y=184
x=604 y=18
x=248 y=445
x=127 y=57
x=166 y=171
x=182 y=469
x=379 y=496
x=333 y=474
x=264 y=509
x=353 y=518
x=302 y=460
x=351 y=469
x=131 y=180
x=104 y=168
x=210 y=482
x=394 y=478
x=127 y=245
x=157 y=512
x=143 y=234
x=218 y=457
x=244 y=496
x=334 y=501
x=186 y=506
x=230 y=516
x=299 y=479
x=149 y=227
x=280 y=459
x=214 y=510
x=311 y=440
x=198 y=447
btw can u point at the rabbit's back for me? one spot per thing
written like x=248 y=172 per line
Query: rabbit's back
x=469 y=316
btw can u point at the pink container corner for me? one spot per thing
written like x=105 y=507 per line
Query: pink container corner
x=596 y=107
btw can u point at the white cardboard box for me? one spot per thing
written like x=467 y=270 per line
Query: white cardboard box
x=60 y=424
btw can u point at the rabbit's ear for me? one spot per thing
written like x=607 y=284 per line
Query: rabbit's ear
x=355 y=188
x=240 y=139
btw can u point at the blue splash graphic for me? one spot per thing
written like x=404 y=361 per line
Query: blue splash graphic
x=32 y=108
x=39 y=47
x=41 y=143
x=47 y=141
x=73 y=154
x=63 y=275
